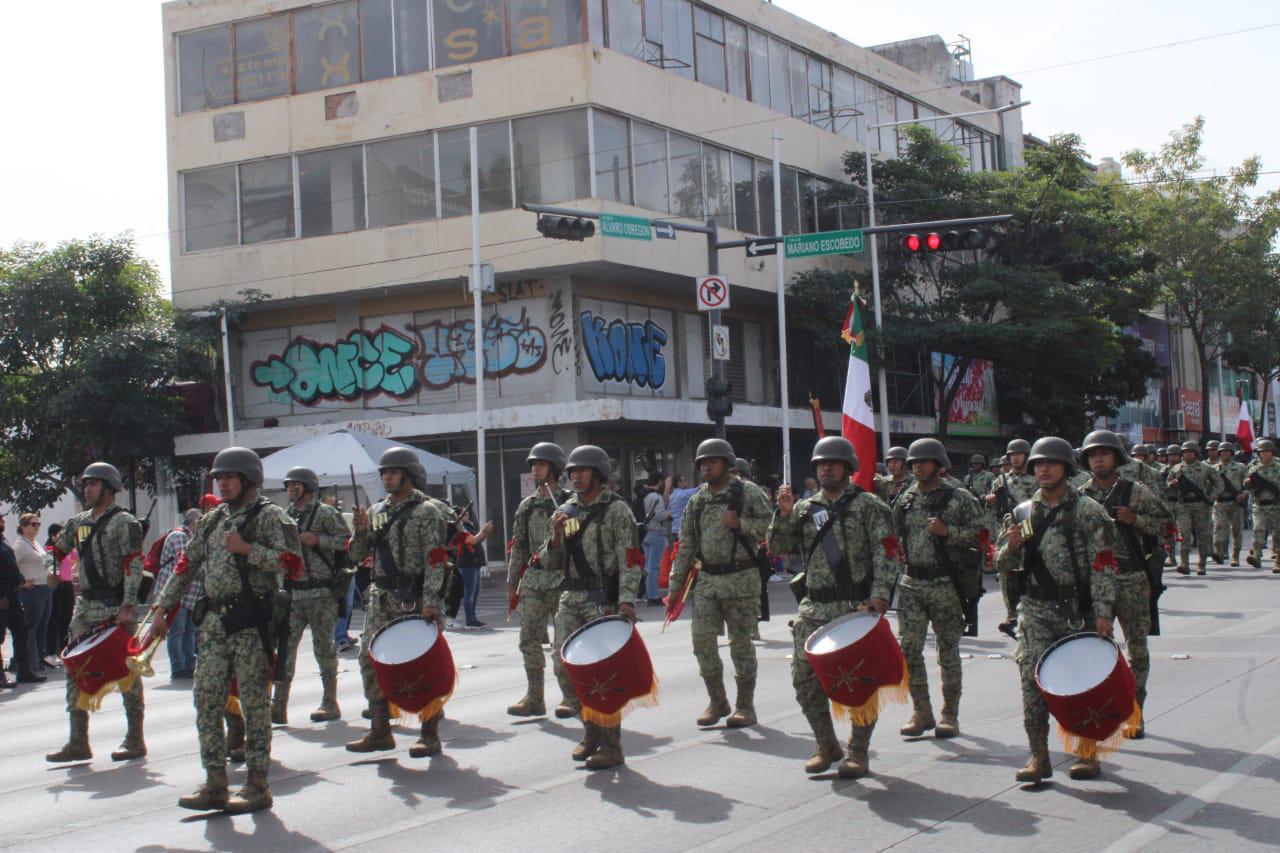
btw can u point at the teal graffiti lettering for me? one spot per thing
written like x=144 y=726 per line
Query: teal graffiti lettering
x=362 y=365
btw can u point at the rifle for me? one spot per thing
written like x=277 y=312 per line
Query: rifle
x=1004 y=500
x=1231 y=491
x=1261 y=483
x=1186 y=484
x=968 y=604
x=146 y=522
x=1152 y=558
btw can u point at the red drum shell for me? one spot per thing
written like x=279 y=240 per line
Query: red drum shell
x=610 y=668
x=98 y=661
x=854 y=656
x=1088 y=686
x=413 y=663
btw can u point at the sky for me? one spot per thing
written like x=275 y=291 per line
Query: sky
x=84 y=129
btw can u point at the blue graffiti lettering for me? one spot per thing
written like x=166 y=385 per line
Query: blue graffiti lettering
x=625 y=352
x=511 y=346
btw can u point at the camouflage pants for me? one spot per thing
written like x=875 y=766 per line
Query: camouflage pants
x=1039 y=627
x=921 y=602
x=537 y=608
x=318 y=610
x=1133 y=612
x=574 y=610
x=740 y=615
x=380 y=608
x=1266 y=522
x=221 y=657
x=86 y=616
x=1228 y=529
x=1194 y=520
x=813 y=701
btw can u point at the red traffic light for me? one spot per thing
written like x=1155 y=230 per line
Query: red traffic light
x=933 y=242
x=950 y=241
x=915 y=243
x=911 y=242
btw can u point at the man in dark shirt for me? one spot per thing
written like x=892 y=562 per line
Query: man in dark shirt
x=11 y=615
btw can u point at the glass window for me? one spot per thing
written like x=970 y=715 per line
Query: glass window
x=325 y=50
x=820 y=93
x=764 y=193
x=808 y=210
x=537 y=24
x=595 y=21
x=455 y=169
x=677 y=35
x=262 y=58
x=799 y=85
x=709 y=28
x=828 y=210
x=402 y=180
x=649 y=156
x=204 y=69
x=845 y=107
x=758 y=47
x=719 y=184
x=331 y=185
x=613 y=158
x=686 y=176
x=744 y=195
x=868 y=115
x=413 y=52
x=626 y=33
x=790 y=201
x=468 y=31
x=779 y=86
x=735 y=45
x=551 y=157
x=266 y=200
x=209 y=208
x=377 y=48
x=885 y=113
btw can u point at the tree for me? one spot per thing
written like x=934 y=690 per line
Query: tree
x=1253 y=331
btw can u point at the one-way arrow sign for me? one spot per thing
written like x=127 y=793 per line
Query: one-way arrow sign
x=664 y=230
x=756 y=249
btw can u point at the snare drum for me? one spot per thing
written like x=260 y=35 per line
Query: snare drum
x=1090 y=691
x=414 y=666
x=609 y=666
x=98 y=663
x=859 y=664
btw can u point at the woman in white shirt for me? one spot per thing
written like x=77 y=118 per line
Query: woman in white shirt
x=36 y=594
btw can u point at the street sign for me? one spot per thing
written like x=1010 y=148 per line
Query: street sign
x=757 y=249
x=486 y=279
x=824 y=243
x=713 y=292
x=664 y=230
x=626 y=227
x=720 y=343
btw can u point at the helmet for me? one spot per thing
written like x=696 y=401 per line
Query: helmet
x=1018 y=445
x=1108 y=439
x=835 y=448
x=590 y=456
x=1211 y=444
x=238 y=460
x=1227 y=446
x=715 y=448
x=1265 y=444
x=925 y=449
x=405 y=458
x=1004 y=460
x=1141 y=449
x=977 y=459
x=881 y=469
x=1190 y=446
x=107 y=473
x=549 y=452
x=743 y=467
x=896 y=453
x=305 y=476
x=1053 y=449
x=1126 y=442
x=1173 y=449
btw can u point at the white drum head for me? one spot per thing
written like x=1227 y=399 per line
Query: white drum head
x=404 y=641
x=841 y=633
x=597 y=643
x=1077 y=666
x=94 y=639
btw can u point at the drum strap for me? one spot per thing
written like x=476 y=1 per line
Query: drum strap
x=1120 y=495
x=89 y=557
x=578 y=556
x=1034 y=563
x=836 y=559
x=247 y=596
x=391 y=563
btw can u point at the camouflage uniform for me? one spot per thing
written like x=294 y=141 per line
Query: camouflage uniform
x=1019 y=488
x=1193 y=515
x=888 y=489
x=927 y=594
x=1228 y=513
x=539 y=589
x=312 y=602
x=1266 y=507
x=272 y=535
x=979 y=483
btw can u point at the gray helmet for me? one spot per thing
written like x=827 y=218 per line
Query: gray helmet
x=1018 y=445
x=925 y=449
x=1108 y=439
x=1161 y=450
x=107 y=473
x=716 y=448
x=896 y=453
x=743 y=467
x=1227 y=446
x=590 y=456
x=1125 y=442
x=406 y=459
x=835 y=448
x=1141 y=449
x=238 y=460
x=548 y=452
x=1211 y=445
x=1190 y=446
x=977 y=459
x=305 y=476
x=1053 y=449
x=1265 y=444
x=1004 y=460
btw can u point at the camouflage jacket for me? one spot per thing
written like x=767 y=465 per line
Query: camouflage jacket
x=274 y=545
x=1200 y=474
x=530 y=528
x=1270 y=472
x=117 y=554
x=608 y=544
x=1139 y=472
x=864 y=533
x=1152 y=518
x=888 y=489
x=416 y=542
x=327 y=523
x=1093 y=537
x=1233 y=473
x=704 y=537
x=962 y=515
x=1020 y=486
x=979 y=483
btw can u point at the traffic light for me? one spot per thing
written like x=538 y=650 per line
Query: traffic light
x=947 y=241
x=565 y=227
x=718 y=403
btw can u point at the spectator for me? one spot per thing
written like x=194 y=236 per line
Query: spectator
x=677 y=500
x=64 y=594
x=11 y=617
x=37 y=592
x=657 y=529
x=181 y=640
x=471 y=560
x=810 y=488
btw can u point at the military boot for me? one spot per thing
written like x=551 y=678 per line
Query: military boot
x=949 y=723
x=77 y=747
x=1038 y=767
x=532 y=704
x=610 y=752
x=566 y=709
x=589 y=744
x=428 y=743
x=1254 y=559
x=235 y=738
x=1235 y=559
x=744 y=713
x=253 y=796
x=1085 y=768
x=133 y=745
x=718 y=707
x=1203 y=563
x=921 y=718
x=328 y=709
x=856 y=765
x=828 y=751
x=379 y=736
x=1184 y=567
x=280 y=703
x=211 y=796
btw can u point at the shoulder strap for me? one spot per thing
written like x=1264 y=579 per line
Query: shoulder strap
x=242 y=562
x=89 y=557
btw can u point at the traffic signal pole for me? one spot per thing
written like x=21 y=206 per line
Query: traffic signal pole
x=713 y=318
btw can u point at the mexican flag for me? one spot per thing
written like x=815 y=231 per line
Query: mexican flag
x=1244 y=428
x=858 y=422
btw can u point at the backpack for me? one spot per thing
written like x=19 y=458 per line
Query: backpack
x=151 y=565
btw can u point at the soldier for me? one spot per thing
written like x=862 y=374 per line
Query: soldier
x=979 y=480
x=1136 y=470
x=312 y=602
x=593 y=543
x=1196 y=486
x=537 y=587
x=1140 y=519
x=241 y=547
x=1010 y=489
x=1211 y=453
x=1162 y=456
x=406 y=533
x=109 y=542
x=741 y=469
x=1228 y=509
x=888 y=488
x=1173 y=453
x=1005 y=466
x=1073 y=545
x=1263 y=479
x=937 y=525
x=722 y=524
x=856 y=529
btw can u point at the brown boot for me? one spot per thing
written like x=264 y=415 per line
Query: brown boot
x=589 y=744
x=921 y=722
x=718 y=707
x=1037 y=769
x=1235 y=559
x=1085 y=769
x=856 y=765
x=828 y=751
x=211 y=796
x=949 y=722
x=744 y=713
x=566 y=710
x=379 y=736
x=328 y=709
x=253 y=796
x=610 y=752
x=429 y=741
x=1254 y=559
x=532 y=704
x=235 y=738
x=133 y=745
x=77 y=746
x=280 y=704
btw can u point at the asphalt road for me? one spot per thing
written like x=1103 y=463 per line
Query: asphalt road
x=1206 y=776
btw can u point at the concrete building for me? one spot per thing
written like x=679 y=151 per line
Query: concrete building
x=318 y=155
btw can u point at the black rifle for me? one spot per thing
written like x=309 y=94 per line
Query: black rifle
x=968 y=604
x=1004 y=500
x=1147 y=549
x=1231 y=491
x=1261 y=483
x=1186 y=484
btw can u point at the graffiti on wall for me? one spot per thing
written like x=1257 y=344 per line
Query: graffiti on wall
x=561 y=339
x=511 y=346
x=623 y=351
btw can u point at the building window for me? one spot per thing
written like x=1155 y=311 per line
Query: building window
x=686 y=176
x=709 y=30
x=595 y=22
x=262 y=58
x=779 y=84
x=907 y=374
x=266 y=200
x=209 y=208
x=758 y=50
x=613 y=158
x=551 y=158
x=764 y=196
x=677 y=36
x=402 y=180
x=626 y=27
x=799 y=84
x=717 y=173
x=846 y=109
x=331 y=187
x=649 y=147
x=494 y=145
x=735 y=46
x=377 y=39
x=468 y=31
x=204 y=69
x=808 y=205
x=744 y=195
x=538 y=25
x=820 y=93
x=326 y=47
x=413 y=42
